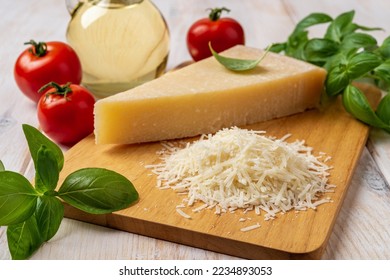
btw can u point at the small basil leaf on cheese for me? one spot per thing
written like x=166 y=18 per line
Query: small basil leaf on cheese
x=236 y=64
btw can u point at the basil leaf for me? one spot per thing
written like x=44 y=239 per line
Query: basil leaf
x=384 y=49
x=278 y=47
x=362 y=63
x=383 y=71
x=47 y=172
x=356 y=103
x=298 y=38
x=23 y=239
x=383 y=110
x=355 y=41
x=2 y=168
x=319 y=50
x=310 y=20
x=18 y=198
x=335 y=60
x=97 y=191
x=336 y=80
x=236 y=64
x=340 y=27
x=49 y=214
x=36 y=139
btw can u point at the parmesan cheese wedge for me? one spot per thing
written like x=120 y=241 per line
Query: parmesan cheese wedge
x=205 y=97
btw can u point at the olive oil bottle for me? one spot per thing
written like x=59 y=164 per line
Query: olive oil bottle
x=121 y=43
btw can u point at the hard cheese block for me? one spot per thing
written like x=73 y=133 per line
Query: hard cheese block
x=205 y=97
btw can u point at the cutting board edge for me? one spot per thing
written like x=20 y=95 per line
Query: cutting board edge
x=186 y=237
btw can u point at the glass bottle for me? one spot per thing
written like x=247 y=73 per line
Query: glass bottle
x=121 y=43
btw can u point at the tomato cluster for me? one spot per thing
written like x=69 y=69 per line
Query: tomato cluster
x=65 y=111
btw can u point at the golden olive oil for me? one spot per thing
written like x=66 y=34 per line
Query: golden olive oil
x=121 y=44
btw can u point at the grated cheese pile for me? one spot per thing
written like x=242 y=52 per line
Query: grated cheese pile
x=239 y=168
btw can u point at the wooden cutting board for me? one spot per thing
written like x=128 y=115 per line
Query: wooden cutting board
x=293 y=235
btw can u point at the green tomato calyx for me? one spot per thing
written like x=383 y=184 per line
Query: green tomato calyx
x=215 y=13
x=37 y=49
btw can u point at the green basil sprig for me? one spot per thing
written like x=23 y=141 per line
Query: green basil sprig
x=34 y=214
x=348 y=54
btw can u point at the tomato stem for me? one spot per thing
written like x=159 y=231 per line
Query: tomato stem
x=60 y=90
x=38 y=49
x=215 y=13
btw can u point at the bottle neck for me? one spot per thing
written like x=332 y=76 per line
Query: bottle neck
x=115 y=3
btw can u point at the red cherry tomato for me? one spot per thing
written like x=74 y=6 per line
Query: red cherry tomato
x=223 y=33
x=65 y=113
x=43 y=63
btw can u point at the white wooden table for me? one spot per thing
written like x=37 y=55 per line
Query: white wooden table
x=362 y=230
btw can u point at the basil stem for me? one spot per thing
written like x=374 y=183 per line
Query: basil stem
x=18 y=198
x=97 y=191
x=236 y=64
x=24 y=238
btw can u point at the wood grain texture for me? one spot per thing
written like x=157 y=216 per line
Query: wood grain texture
x=330 y=130
x=362 y=228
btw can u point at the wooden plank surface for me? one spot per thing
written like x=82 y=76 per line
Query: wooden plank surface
x=362 y=228
x=330 y=130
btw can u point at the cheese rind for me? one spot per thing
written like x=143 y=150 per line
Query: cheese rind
x=205 y=97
